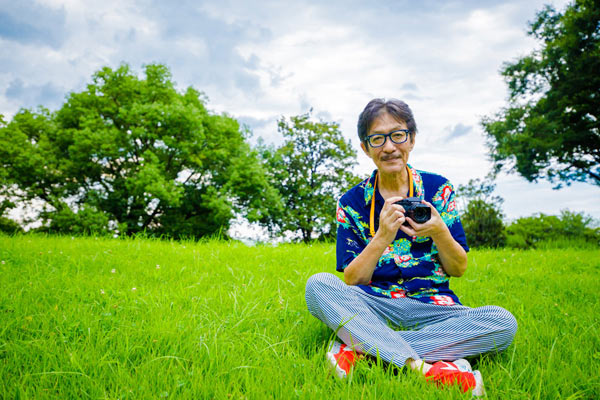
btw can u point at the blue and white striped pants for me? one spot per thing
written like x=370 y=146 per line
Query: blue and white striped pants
x=435 y=332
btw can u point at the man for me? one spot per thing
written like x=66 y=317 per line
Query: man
x=398 y=270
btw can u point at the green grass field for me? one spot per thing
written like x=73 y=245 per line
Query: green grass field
x=139 y=318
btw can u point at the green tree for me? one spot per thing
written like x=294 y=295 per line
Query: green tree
x=482 y=215
x=551 y=127
x=134 y=155
x=7 y=225
x=310 y=170
x=567 y=229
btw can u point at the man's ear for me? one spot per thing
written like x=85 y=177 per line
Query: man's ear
x=412 y=141
x=364 y=148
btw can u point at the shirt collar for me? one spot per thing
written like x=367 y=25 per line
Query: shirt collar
x=369 y=190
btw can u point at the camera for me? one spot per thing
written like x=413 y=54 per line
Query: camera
x=417 y=211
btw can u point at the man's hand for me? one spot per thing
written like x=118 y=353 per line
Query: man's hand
x=432 y=228
x=452 y=256
x=391 y=219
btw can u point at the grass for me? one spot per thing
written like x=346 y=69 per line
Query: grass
x=225 y=321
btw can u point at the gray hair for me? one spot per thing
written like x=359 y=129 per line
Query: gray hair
x=398 y=109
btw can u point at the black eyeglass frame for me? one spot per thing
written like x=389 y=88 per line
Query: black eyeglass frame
x=386 y=135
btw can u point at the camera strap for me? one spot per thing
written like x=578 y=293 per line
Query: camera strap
x=372 y=216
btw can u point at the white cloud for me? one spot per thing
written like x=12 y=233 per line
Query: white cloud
x=262 y=60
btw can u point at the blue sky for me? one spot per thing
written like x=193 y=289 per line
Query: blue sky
x=264 y=59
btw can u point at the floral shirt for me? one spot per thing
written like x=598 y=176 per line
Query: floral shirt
x=410 y=266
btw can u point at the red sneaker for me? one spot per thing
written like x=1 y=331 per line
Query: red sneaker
x=341 y=358
x=447 y=373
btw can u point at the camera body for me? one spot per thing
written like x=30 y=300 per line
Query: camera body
x=417 y=211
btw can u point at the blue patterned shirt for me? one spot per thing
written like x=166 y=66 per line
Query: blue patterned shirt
x=410 y=266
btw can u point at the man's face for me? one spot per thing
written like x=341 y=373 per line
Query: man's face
x=390 y=158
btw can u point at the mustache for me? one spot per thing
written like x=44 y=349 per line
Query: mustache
x=390 y=157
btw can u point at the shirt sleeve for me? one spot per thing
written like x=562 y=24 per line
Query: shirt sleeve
x=350 y=239
x=445 y=203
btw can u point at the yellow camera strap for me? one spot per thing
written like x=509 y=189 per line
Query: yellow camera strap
x=372 y=216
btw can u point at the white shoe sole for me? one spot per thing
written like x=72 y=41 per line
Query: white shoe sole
x=463 y=365
x=334 y=364
x=478 y=390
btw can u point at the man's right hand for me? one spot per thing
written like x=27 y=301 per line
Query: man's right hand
x=391 y=219
x=360 y=270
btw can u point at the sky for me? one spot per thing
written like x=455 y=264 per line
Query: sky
x=261 y=60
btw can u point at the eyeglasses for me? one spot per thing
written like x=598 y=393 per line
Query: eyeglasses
x=398 y=136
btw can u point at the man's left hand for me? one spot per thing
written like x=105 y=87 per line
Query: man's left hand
x=432 y=228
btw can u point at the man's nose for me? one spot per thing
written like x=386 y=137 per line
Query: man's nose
x=388 y=146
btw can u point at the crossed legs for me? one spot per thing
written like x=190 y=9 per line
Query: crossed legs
x=435 y=332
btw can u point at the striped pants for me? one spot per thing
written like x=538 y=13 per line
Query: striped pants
x=434 y=332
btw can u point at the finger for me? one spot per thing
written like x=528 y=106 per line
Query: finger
x=391 y=205
x=398 y=207
x=434 y=210
x=401 y=218
x=392 y=219
x=417 y=226
x=412 y=223
x=418 y=229
x=392 y=212
x=399 y=223
x=393 y=199
x=391 y=209
x=408 y=230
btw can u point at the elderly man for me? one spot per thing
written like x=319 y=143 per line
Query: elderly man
x=397 y=268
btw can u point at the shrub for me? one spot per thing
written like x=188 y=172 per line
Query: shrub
x=482 y=215
x=568 y=228
x=483 y=225
x=9 y=226
x=88 y=220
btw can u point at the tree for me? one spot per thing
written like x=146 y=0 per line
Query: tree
x=134 y=155
x=7 y=225
x=569 y=228
x=482 y=215
x=310 y=170
x=551 y=127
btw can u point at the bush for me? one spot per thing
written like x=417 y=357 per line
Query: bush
x=482 y=216
x=88 y=220
x=9 y=226
x=483 y=225
x=540 y=230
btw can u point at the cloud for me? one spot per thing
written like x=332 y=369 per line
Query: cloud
x=265 y=128
x=257 y=123
x=29 y=96
x=29 y=22
x=409 y=86
x=324 y=116
x=457 y=131
x=267 y=59
x=201 y=50
x=524 y=198
x=207 y=48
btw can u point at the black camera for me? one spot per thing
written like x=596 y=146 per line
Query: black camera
x=417 y=211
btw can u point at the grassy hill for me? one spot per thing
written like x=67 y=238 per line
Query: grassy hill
x=140 y=318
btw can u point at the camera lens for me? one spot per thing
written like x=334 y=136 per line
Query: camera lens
x=422 y=214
